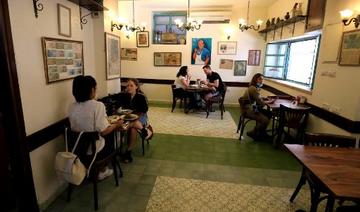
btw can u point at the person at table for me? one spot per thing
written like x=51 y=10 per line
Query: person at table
x=88 y=115
x=135 y=100
x=213 y=81
x=252 y=107
x=182 y=82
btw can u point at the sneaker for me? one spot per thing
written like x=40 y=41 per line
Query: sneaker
x=102 y=175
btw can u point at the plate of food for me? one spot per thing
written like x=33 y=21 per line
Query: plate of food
x=114 y=118
x=130 y=117
x=124 y=111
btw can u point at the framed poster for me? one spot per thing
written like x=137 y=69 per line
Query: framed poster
x=240 y=68
x=227 y=47
x=129 y=54
x=64 y=20
x=254 y=57
x=142 y=39
x=350 y=49
x=226 y=64
x=167 y=58
x=112 y=49
x=63 y=59
x=201 y=51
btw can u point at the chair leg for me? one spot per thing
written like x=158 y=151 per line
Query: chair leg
x=69 y=191
x=143 y=146
x=239 y=125
x=242 y=128
x=113 y=161
x=207 y=108
x=119 y=167
x=96 y=206
x=173 y=105
x=222 y=110
x=302 y=182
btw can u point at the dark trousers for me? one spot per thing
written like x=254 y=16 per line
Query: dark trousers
x=262 y=118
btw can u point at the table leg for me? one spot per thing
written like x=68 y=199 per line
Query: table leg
x=330 y=204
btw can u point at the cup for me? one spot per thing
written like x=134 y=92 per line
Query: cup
x=198 y=82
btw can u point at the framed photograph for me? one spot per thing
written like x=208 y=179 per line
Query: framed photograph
x=350 y=49
x=64 y=20
x=112 y=49
x=226 y=64
x=142 y=39
x=167 y=58
x=129 y=54
x=240 y=68
x=63 y=59
x=201 y=51
x=227 y=47
x=254 y=57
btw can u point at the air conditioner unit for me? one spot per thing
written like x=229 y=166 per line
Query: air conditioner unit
x=212 y=17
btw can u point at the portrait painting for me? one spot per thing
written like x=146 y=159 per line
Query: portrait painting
x=201 y=51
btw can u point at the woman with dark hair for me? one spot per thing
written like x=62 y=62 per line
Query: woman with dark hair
x=88 y=115
x=252 y=107
x=182 y=78
x=135 y=100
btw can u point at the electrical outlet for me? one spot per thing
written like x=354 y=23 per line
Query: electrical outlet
x=324 y=73
x=326 y=106
x=332 y=73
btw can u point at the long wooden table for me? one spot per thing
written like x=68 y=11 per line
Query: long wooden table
x=338 y=169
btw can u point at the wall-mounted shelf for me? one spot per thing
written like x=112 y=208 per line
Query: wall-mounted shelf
x=281 y=25
x=90 y=5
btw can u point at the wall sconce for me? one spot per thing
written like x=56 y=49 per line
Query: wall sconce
x=229 y=32
x=118 y=26
x=345 y=16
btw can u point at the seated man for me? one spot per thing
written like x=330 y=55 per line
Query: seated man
x=213 y=81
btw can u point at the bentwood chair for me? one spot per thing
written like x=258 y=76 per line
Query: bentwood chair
x=292 y=124
x=178 y=94
x=243 y=120
x=326 y=141
x=219 y=99
x=88 y=140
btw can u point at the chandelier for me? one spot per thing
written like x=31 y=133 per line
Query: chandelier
x=190 y=25
x=131 y=28
x=243 y=24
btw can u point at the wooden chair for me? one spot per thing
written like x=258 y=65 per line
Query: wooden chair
x=243 y=120
x=326 y=141
x=178 y=94
x=291 y=121
x=276 y=112
x=219 y=99
x=88 y=139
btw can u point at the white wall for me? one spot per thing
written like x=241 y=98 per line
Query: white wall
x=44 y=104
x=144 y=68
x=340 y=91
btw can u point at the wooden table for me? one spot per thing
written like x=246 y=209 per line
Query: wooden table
x=338 y=169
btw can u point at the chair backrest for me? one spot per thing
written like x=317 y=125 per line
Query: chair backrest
x=293 y=118
x=177 y=92
x=328 y=140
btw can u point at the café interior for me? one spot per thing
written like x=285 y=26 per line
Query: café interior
x=307 y=50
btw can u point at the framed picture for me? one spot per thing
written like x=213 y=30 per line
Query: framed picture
x=112 y=49
x=64 y=20
x=129 y=54
x=254 y=57
x=142 y=39
x=350 y=49
x=227 y=47
x=226 y=64
x=63 y=59
x=240 y=68
x=201 y=51
x=167 y=58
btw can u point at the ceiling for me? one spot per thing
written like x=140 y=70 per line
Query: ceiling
x=203 y=3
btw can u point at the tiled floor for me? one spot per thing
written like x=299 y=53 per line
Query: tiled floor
x=216 y=159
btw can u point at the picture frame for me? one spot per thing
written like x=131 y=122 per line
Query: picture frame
x=112 y=56
x=142 y=39
x=240 y=67
x=129 y=54
x=63 y=59
x=226 y=64
x=227 y=47
x=64 y=20
x=167 y=58
x=349 y=54
x=201 y=51
x=254 y=57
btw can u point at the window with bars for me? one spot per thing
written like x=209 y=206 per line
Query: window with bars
x=293 y=61
x=165 y=30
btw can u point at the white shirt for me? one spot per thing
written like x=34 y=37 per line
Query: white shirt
x=178 y=82
x=88 y=116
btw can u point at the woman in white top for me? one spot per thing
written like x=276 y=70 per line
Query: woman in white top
x=182 y=78
x=88 y=115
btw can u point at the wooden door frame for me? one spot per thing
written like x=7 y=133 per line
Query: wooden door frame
x=15 y=135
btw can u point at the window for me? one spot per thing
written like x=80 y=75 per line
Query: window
x=165 y=30
x=293 y=61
